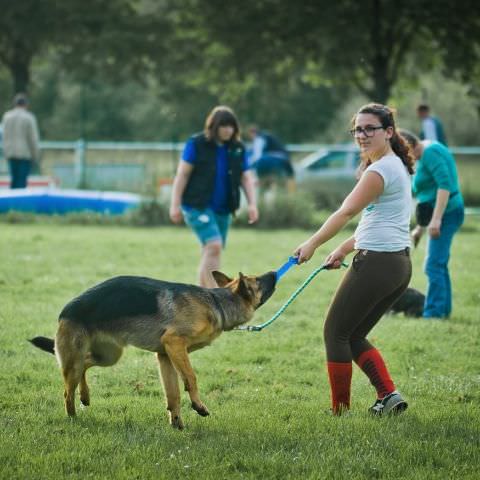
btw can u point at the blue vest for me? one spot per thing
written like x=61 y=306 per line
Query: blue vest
x=201 y=183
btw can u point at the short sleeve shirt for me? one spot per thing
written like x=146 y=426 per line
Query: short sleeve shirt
x=385 y=223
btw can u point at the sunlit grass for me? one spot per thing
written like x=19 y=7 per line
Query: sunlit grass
x=267 y=392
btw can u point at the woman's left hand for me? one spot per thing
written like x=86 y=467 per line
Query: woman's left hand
x=335 y=259
x=434 y=228
x=416 y=235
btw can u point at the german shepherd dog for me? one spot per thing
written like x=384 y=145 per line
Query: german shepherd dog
x=170 y=319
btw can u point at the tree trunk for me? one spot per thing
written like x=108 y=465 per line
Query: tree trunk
x=381 y=57
x=382 y=88
x=20 y=72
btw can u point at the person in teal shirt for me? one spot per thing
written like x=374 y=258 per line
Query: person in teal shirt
x=432 y=128
x=436 y=183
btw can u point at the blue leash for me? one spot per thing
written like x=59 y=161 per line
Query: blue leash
x=280 y=273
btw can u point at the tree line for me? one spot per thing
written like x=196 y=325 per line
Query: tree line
x=102 y=69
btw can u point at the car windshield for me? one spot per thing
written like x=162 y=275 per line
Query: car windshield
x=329 y=160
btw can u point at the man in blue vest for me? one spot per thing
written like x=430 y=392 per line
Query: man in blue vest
x=432 y=128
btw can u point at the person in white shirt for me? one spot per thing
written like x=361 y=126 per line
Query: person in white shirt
x=381 y=269
x=20 y=141
x=432 y=128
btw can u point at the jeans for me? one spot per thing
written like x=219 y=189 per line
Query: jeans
x=19 y=170
x=438 y=302
x=275 y=165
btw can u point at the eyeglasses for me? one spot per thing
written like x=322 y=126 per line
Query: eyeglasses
x=368 y=131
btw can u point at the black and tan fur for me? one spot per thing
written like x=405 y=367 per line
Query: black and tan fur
x=410 y=303
x=170 y=319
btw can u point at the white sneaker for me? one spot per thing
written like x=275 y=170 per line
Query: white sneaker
x=391 y=404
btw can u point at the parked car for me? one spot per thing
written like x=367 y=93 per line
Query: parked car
x=329 y=174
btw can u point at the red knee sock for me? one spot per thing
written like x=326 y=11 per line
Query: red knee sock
x=340 y=376
x=372 y=364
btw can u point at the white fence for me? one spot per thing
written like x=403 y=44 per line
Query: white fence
x=140 y=166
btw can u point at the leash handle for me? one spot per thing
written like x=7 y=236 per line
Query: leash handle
x=259 y=328
x=249 y=328
x=329 y=267
x=294 y=261
x=286 y=267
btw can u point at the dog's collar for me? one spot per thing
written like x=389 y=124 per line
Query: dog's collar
x=220 y=309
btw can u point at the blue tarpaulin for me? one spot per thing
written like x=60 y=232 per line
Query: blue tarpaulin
x=58 y=201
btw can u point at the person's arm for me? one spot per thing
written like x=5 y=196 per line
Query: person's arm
x=440 y=205
x=368 y=188
x=6 y=137
x=180 y=181
x=248 y=187
x=34 y=140
x=257 y=149
x=436 y=159
x=440 y=132
x=417 y=234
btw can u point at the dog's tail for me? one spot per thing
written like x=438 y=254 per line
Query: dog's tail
x=44 y=343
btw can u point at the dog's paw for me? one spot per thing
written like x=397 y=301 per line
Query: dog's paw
x=200 y=409
x=176 y=422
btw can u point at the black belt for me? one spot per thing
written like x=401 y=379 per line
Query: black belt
x=404 y=251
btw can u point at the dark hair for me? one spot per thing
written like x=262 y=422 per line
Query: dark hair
x=221 y=116
x=423 y=107
x=409 y=137
x=398 y=144
x=20 y=99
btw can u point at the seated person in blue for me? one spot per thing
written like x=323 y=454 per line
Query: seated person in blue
x=270 y=159
x=206 y=188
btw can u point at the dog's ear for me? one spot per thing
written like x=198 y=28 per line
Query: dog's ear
x=221 y=278
x=242 y=288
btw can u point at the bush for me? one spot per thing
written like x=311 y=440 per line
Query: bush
x=149 y=213
x=18 y=217
x=280 y=211
x=327 y=195
x=283 y=211
x=471 y=198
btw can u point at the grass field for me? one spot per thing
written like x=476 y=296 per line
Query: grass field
x=267 y=392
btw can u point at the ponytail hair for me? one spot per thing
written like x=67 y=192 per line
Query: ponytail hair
x=400 y=147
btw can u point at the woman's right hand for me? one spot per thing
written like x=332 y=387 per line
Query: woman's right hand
x=434 y=228
x=304 y=251
x=335 y=259
x=176 y=215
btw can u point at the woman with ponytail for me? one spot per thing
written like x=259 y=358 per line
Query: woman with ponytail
x=380 y=270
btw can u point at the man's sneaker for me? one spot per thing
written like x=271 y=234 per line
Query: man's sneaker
x=391 y=404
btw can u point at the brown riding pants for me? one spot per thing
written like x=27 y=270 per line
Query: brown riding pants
x=371 y=285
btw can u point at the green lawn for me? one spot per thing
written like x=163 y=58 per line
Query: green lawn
x=267 y=392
